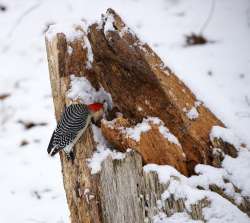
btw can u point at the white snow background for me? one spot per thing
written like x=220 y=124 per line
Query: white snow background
x=218 y=73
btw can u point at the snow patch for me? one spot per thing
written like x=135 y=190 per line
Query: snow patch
x=72 y=31
x=234 y=172
x=227 y=135
x=90 y=56
x=179 y=186
x=136 y=131
x=222 y=211
x=102 y=151
x=109 y=24
x=164 y=172
x=192 y=114
x=81 y=88
x=175 y=218
x=238 y=170
x=168 y=135
x=209 y=175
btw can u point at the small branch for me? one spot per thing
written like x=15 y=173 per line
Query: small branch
x=209 y=17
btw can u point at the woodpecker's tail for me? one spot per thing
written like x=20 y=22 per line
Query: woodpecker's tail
x=55 y=150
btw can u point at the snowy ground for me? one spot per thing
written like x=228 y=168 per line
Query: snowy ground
x=31 y=187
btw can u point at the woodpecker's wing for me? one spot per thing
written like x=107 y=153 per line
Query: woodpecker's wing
x=74 y=119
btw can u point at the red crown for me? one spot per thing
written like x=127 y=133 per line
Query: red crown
x=95 y=106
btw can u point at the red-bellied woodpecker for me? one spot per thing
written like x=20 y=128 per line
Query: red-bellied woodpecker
x=74 y=121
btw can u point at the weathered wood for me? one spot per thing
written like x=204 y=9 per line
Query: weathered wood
x=128 y=194
x=153 y=146
x=226 y=147
x=141 y=85
x=79 y=184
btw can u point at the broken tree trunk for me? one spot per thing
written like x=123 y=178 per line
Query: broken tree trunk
x=140 y=86
x=108 y=196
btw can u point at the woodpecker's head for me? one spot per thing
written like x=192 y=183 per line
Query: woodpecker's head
x=96 y=110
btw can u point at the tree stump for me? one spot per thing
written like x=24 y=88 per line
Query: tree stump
x=111 y=56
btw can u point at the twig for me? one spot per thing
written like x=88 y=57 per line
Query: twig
x=22 y=16
x=211 y=12
x=18 y=21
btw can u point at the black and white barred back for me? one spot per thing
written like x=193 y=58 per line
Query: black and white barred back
x=74 y=119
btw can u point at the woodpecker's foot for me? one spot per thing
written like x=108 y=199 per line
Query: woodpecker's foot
x=70 y=156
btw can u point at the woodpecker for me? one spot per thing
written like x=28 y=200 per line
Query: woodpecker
x=74 y=121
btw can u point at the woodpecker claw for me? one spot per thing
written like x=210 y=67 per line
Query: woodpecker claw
x=70 y=156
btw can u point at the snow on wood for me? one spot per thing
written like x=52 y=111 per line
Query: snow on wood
x=108 y=25
x=150 y=138
x=238 y=170
x=168 y=135
x=136 y=131
x=164 y=190
x=81 y=88
x=144 y=126
x=180 y=187
x=175 y=218
x=102 y=152
x=72 y=31
x=209 y=176
x=192 y=114
x=227 y=135
x=230 y=180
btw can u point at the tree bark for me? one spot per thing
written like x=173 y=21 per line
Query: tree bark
x=128 y=194
x=78 y=182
